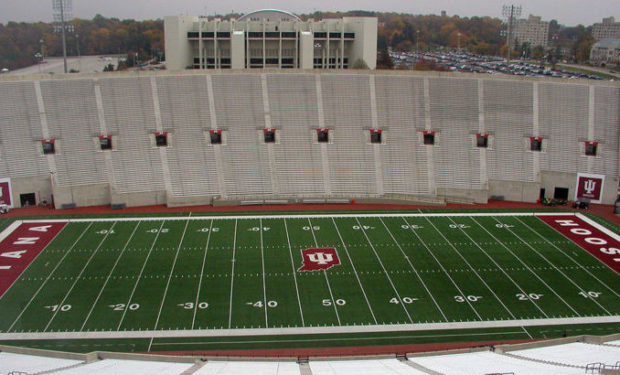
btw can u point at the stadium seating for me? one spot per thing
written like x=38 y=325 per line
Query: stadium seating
x=132 y=108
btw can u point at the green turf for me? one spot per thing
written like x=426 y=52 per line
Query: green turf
x=240 y=272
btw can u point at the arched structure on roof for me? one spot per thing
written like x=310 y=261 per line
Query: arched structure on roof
x=270 y=15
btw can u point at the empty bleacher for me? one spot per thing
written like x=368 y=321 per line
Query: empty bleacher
x=187 y=105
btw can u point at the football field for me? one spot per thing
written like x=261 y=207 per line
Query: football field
x=284 y=274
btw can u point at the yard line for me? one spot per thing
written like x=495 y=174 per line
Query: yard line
x=525 y=265
x=174 y=262
x=414 y=270
x=469 y=265
x=359 y=282
x=290 y=251
x=329 y=287
x=50 y=275
x=109 y=274
x=202 y=270
x=442 y=267
x=232 y=276
x=500 y=268
x=569 y=257
x=135 y=285
x=384 y=270
x=79 y=275
x=262 y=262
x=562 y=272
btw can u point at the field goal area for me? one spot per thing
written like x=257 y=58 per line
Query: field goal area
x=289 y=274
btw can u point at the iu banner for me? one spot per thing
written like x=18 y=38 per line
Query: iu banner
x=5 y=192
x=589 y=187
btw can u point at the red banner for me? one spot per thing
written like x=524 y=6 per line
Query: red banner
x=595 y=241
x=21 y=247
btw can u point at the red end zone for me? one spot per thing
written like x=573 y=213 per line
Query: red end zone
x=594 y=240
x=21 y=247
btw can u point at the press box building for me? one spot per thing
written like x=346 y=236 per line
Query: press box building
x=269 y=39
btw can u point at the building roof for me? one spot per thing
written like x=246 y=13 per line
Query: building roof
x=270 y=15
x=610 y=43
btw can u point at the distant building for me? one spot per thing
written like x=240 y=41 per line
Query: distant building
x=608 y=29
x=606 y=51
x=270 y=39
x=443 y=13
x=532 y=30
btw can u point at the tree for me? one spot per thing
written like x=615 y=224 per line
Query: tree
x=384 y=61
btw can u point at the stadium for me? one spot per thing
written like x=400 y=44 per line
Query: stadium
x=161 y=241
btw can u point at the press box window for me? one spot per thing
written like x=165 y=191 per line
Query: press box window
x=269 y=135
x=161 y=139
x=482 y=140
x=591 y=148
x=536 y=144
x=429 y=137
x=105 y=142
x=322 y=135
x=376 y=136
x=48 y=146
x=215 y=136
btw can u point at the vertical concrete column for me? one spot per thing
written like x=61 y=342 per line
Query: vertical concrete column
x=51 y=160
x=376 y=147
x=217 y=149
x=324 y=156
x=484 y=178
x=591 y=110
x=275 y=188
x=160 y=128
x=536 y=131
x=430 y=159
x=107 y=156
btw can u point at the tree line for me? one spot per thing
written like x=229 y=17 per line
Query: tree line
x=20 y=42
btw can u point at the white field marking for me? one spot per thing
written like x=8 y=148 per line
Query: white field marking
x=562 y=272
x=359 y=282
x=402 y=304
x=525 y=265
x=414 y=270
x=202 y=270
x=598 y=226
x=320 y=216
x=309 y=330
x=442 y=267
x=329 y=287
x=150 y=344
x=79 y=275
x=500 y=267
x=262 y=263
x=290 y=251
x=28 y=266
x=174 y=263
x=109 y=275
x=9 y=229
x=524 y=330
x=571 y=258
x=372 y=338
x=538 y=277
x=232 y=277
x=470 y=267
x=50 y=275
x=135 y=285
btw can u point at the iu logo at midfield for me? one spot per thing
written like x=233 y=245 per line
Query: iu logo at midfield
x=319 y=259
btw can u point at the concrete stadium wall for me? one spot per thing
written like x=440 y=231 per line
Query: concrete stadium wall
x=132 y=107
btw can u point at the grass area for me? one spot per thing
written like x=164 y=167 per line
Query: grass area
x=239 y=272
x=572 y=68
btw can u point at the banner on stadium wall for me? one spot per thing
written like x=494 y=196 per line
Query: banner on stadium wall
x=589 y=187
x=5 y=192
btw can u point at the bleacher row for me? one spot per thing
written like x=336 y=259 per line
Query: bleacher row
x=559 y=359
x=131 y=108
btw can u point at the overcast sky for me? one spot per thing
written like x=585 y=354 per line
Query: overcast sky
x=567 y=12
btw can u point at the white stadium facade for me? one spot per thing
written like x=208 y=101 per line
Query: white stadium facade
x=270 y=39
x=238 y=137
